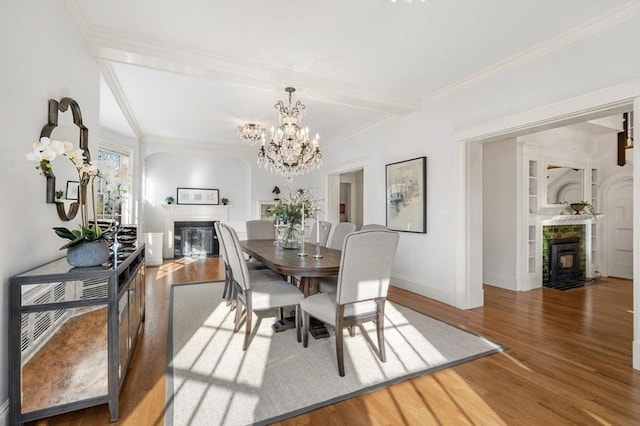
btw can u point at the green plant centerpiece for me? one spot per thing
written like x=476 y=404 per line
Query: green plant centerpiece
x=87 y=234
x=288 y=214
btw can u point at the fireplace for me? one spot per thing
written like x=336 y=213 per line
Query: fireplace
x=195 y=239
x=564 y=263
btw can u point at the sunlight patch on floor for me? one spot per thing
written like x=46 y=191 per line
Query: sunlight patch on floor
x=597 y=418
x=216 y=351
x=440 y=398
x=515 y=361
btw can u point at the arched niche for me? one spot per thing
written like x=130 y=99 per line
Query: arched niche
x=66 y=210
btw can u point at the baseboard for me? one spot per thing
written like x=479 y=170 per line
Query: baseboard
x=495 y=279
x=424 y=288
x=4 y=414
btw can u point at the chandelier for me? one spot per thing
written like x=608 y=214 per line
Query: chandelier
x=289 y=152
x=251 y=133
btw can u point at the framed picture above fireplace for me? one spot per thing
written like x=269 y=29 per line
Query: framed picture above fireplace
x=198 y=196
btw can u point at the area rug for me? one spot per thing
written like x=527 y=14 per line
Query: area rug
x=211 y=381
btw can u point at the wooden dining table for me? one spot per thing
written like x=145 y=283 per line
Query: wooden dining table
x=288 y=262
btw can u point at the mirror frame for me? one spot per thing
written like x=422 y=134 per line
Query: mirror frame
x=47 y=130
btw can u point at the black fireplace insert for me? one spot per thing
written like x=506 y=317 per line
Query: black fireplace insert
x=564 y=261
x=195 y=239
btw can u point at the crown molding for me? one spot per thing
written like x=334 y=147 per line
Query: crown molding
x=620 y=14
x=125 y=48
x=121 y=98
x=164 y=140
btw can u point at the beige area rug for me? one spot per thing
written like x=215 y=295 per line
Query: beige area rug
x=211 y=381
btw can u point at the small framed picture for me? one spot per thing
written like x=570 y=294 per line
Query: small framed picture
x=198 y=196
x=73 y=187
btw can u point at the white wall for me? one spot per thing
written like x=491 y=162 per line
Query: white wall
x=499 y=165
x=43 y=57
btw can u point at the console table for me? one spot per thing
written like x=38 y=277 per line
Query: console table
x=72 y=332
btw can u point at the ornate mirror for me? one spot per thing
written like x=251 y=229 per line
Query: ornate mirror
x=70 y=191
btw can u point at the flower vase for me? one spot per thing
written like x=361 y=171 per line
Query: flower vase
x=289 y=238
x=90 y=253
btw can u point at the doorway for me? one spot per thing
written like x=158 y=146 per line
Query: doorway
x=346 y=195
x=351 y=197
x=468 y=282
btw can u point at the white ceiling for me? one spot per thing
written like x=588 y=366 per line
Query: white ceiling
x=195 y=70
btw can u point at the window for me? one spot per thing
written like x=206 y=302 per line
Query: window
x=113 y=191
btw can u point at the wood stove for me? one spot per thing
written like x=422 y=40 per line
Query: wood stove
x=564 y=263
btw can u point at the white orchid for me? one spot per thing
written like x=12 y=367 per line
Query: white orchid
x=89 y=169
x=46 y=149
x=76 y=156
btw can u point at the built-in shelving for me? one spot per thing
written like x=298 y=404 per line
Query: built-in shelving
x=533 y=248
x=533 y=187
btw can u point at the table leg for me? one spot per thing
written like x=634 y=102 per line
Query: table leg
x=309 y=285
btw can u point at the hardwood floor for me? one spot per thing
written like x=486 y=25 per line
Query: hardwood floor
x=568 y=362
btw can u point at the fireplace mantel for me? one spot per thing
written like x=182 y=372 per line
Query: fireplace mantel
x=189 y=213
x=574 y=219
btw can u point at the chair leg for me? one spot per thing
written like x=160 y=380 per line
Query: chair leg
x=237 y=318
x=305 y=332
x=340 y=339
x=380 y=330
x=248 y=318
x=298 y=334
x=352 y=330
x=236 y=297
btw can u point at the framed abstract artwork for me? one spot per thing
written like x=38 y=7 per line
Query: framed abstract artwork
x=406 y=195
x=198 y=196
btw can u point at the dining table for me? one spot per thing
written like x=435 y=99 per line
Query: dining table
x=306 y=268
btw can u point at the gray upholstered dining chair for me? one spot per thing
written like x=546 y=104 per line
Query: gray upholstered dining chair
x=370 y=226
x=363 y=282
x=342 y=229
x=260 y=230
x=227 y=292
x=257 y=290
x=325 y=228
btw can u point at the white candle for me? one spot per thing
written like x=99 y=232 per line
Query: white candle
x=317 y=228
x=303 y=219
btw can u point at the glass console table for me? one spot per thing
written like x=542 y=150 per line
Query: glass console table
x=72 y=332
